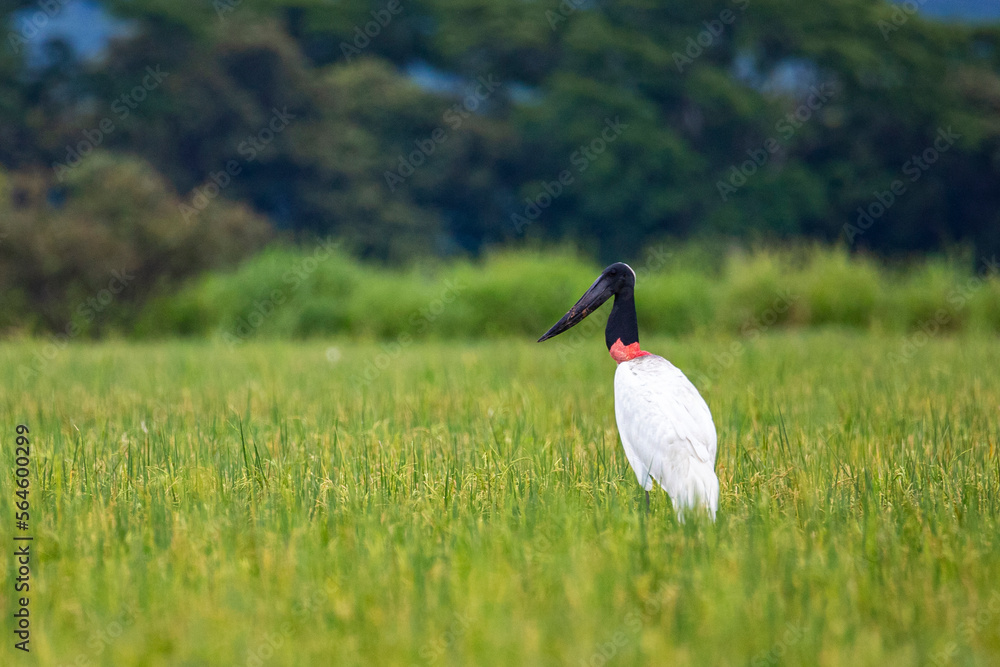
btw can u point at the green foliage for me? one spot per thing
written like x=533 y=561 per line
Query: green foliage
x=360 y=112
x=984 y=305
x=470 y=504
x=922 y=296
x=85 y=262
x=400 y=152
x=522 y=293
x=840 y=289
x=757 y=284
x=677 y=301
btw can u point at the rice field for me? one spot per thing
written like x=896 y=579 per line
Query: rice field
x=468 y=503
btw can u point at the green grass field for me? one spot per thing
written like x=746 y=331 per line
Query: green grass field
x=294 y=504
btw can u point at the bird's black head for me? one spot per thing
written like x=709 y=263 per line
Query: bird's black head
x=617 y=280
x=621 y=276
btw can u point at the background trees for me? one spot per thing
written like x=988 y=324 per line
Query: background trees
x=754 y=119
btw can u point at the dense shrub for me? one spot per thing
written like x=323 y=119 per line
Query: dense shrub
x=81 y=256
x=281 y=293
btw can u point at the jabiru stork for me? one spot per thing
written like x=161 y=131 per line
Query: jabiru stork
x=665 y=425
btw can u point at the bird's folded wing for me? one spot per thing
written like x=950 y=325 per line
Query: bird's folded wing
x=662 y=419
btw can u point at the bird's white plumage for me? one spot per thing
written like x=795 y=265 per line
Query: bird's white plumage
x=667 y=432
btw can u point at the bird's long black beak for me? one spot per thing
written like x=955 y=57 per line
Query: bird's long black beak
x=599 y=292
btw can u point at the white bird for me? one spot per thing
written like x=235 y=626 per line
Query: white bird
x=665 y=425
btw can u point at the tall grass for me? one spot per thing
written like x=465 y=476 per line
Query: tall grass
x=470 y=504
x=280 y=294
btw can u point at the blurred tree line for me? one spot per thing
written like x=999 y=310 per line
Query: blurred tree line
x=428 y=128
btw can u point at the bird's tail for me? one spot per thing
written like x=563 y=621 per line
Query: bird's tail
x=698 y=492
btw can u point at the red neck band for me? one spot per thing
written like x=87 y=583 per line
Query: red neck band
x=621 y=352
